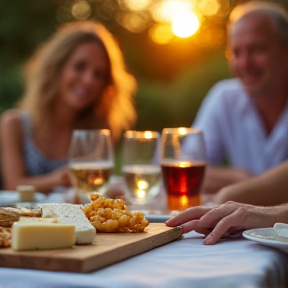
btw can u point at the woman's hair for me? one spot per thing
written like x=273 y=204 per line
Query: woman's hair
x=42 y=74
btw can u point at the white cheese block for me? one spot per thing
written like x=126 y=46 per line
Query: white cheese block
x=73 y=214
x=281 y=229
x=42 y=235
x=38 y=219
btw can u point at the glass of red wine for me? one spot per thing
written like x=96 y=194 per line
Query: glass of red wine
x=183 y=162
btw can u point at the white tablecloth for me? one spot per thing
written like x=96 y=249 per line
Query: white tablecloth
x=183 y=263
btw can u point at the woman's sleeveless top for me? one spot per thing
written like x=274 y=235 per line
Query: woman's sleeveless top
x=36 y=162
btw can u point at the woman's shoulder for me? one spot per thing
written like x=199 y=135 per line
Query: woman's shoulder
x=11 y=119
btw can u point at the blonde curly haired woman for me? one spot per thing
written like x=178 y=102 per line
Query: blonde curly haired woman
x=76 y=80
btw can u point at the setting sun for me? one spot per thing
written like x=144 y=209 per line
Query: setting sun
x=185 y=24
x=166 y=10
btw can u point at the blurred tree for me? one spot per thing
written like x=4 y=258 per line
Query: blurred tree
x=22 y=26
x=173 y=78
x=174 y=104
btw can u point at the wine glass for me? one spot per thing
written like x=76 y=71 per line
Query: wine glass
x=91 y=160
x=183 y=162
x=140 y=165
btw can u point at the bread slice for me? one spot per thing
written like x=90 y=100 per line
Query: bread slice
x=9 y=215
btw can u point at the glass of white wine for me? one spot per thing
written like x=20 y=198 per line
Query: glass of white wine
x=91 y=160
x=141 y=165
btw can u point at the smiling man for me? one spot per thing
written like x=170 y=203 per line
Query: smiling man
x=245 y=119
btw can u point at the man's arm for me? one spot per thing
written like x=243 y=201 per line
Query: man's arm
x=218 y=177
x=270 y=188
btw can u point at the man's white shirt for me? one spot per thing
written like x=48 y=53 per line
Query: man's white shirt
x=233 y=130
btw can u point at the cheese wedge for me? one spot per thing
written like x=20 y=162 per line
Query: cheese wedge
x=67 y=213
x=281 y=229
x=42 y=235
x=38 y=219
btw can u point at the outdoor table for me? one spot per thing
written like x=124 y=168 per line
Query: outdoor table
x=182 y=263
x=233 y=262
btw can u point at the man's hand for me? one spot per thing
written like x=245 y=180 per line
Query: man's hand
x=229 y=219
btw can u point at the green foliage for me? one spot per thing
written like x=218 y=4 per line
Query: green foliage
x=173 y=79
x=23 y=25
x=174 y=104
x=10 y=88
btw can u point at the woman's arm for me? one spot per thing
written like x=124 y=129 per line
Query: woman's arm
x=12 y=158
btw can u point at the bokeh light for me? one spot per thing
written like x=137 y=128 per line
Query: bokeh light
x=208 y=7
x=184 y=199
x=185 y=24
x=137 y=5
x=142 y=184
x=161 y=33
x=141 y=194
x=165 y=11
x=164 y=19
x=81 y=10
x=182 y=131
x=148 y=135
x=181 y=18
x=134 y=22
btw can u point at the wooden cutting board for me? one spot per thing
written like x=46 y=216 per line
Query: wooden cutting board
x=107 y=249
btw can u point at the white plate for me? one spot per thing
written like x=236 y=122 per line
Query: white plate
x=268 y=237
x=11 y=198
